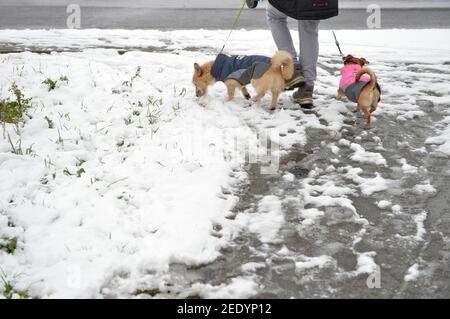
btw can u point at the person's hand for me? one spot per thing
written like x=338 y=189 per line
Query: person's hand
x=252 y=4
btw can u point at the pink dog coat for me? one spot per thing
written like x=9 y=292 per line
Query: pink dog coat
x=348 y=84
x=348 y=73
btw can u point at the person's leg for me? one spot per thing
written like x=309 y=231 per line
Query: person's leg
x=277 y=22
x=308 y=31
x=309 y=53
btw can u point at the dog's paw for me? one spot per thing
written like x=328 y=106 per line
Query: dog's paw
x=203 y=104
x=247 y=97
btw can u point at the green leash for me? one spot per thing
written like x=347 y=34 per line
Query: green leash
x=234 y=25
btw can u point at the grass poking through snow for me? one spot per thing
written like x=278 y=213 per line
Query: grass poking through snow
x=9 y=245
x=14 y=111
x=9 y=291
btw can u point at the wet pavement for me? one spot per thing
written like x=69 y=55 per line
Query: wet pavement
x=412 y=230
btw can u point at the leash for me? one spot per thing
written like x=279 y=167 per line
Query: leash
x=234 y=25
x=337 y=44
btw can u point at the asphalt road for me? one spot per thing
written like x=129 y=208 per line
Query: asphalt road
x=45 y=17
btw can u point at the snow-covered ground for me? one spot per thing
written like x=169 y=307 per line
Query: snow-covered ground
x=126 y=174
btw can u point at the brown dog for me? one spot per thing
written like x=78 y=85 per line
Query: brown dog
x=265 y=74
x=359 y=84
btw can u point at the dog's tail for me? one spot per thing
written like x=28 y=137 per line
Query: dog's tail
x=282 y=62
x=373 y=78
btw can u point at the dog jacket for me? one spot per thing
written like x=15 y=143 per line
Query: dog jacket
x=240 y=68
x=348 y=84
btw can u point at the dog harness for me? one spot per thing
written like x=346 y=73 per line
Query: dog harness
x=348 y=84
x=240 y=68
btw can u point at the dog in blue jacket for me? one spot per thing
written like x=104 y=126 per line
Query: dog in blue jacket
x=264 y=73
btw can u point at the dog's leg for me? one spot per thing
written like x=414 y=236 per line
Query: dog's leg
x=373 y=108
x=275 y=95
x=340 y=94
x=367 y=114
x=231 y=88
x=258 y=97
x=368 y=119
x=365 y=104
x=376 y=98
x=245 y=93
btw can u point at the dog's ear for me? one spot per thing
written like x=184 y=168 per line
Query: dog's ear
x=198 y=69
x=348 y=58
x=363 y=61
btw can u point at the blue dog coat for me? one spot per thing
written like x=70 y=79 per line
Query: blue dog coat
x=240 y=68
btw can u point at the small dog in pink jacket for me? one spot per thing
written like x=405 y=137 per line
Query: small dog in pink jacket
x=360 y=85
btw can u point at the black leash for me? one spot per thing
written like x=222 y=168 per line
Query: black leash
x=337 y=44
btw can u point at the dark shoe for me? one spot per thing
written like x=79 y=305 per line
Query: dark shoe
x=304 y=97
x=296 y=81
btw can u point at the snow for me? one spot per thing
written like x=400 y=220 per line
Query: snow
x=383 y=204
x=310 y=215
x=407 y=168
x=425 y=188
x=240 y=288
x=365 y=42
x=413 y=273
x=442 y=140
x=334 y=149
x=362 y=156
x=420 y=219
x=326 y=194
x=312 y=262
x=159 y=167
x=267 y=221
x=369 y=186
x=396 y=209
x=344 y=142
x=252 y=267
x=148 y=196
x=366 y=263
